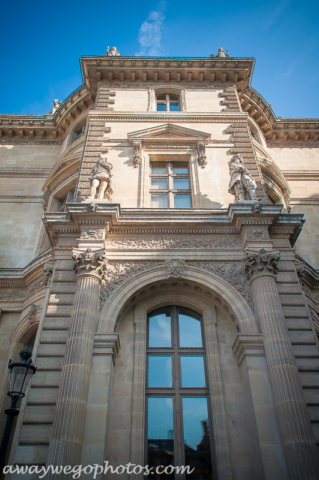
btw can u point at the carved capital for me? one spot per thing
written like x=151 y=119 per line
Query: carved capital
x=175 y=268
x=201 y=150
x=88 y=262
x=261 y=263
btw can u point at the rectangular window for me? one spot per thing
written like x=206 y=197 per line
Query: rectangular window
x=167 y=102
x=170 y=185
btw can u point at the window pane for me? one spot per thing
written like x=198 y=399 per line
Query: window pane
x=158 y=167
x=190 y=334
x=160 y=328
x=180 y=167
x=161 y=107
x=174 y=98
x=174 y=106
x=158 y=183
x=182 y=201
x=181 y=184
x=192 y=371
x=159 y=371
x=160 y=433
x=159 y=201
x=162 y=96
x=197 y=438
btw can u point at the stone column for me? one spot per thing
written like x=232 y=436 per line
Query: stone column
x=293 y=419
x=68 y=426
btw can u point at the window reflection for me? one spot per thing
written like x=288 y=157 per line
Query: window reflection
x=160 y=371
x=182 y=201
x=160 y=328
x=160 y=433
x=192 y=371
x=196 y=437
x=190 y=334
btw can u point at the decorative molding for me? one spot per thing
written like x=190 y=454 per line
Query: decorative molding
x=92 y=233
x=261 y=263
x=201 y=151
x=305 y=144
x=299 y=175
x=208 y=231
x=11 y=295
x=21 y=198
x=25 y=172
x=30 y=142
x=166 y=243
x=175 y=268
x=248 y=346
x=231 y=273
x=115 y=273
x=252 y=234
x=137 y=153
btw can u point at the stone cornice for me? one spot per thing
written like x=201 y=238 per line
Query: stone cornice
x=168 y=70
x=46 y=129
x=185 y=221
x=298 y=175
x=25 y=172
x=277 y=130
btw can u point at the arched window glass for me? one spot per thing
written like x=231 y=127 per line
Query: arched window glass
x=177 y=393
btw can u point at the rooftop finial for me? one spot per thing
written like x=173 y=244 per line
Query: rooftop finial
x=113 y=52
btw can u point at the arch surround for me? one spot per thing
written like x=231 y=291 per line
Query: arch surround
x=212 y=283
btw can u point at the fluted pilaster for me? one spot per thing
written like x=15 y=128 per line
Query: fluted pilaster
x=68 y=427
x=293 y=419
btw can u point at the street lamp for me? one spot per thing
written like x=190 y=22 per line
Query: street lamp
x=20 y=375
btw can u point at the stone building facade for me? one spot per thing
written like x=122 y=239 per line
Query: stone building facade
x=163 y=191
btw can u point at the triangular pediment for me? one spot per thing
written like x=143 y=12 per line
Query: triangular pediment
x=168 y=133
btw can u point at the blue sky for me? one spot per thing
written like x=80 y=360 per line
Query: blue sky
x=42 y=42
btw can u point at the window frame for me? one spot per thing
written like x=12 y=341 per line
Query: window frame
x=170 y=191
x=168 y=102
x=177 y=392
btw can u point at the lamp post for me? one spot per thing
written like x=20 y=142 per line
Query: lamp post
x=20 y=375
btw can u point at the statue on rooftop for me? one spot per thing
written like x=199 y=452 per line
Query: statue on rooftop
x=113 y=52
x=241 y=184
x=56 y=105
x=100 y=181
x=220 y=52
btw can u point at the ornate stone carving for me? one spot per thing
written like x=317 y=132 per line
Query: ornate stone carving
x=56 y=105
x=253 y=234
x=113 y=52
x=116 y=273
x=173 y=242
x=100 y=180
x=37 y=285
x=33 y=313
x=261 y=263
x=175 y=268
x=137 y=153
x=48 y=272
x=90 y=262
x=46 y=197
x=231 y=273
x=201 y=149
x=241 y=184
x=11 y=295
x=92 y=233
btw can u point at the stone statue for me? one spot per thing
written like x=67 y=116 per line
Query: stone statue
x=113 y=52
x=220 y=52
x=100 y=180
x=241 y=184
x=56 y=105
x=227 y=53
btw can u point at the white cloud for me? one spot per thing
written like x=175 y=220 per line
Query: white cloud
x=272 y=19
x=150 y=33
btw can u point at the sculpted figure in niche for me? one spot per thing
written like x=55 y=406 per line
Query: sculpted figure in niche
x=241 y=184
x=100 y=179
x=113 y=52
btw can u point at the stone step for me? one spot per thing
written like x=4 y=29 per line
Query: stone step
x=302 y=351
x=56 y=323
x=59 y=311
x=63 y=288
x=309 y=379
x=311 y=396
x=53 y=350
x=301 y=337
x=308 y=364
x=38 y=414
x=63 y=276
x=54 y=336
x=31 y=455
x=299 y=312
x=35 y=434
x=292 y=300
x=288 y=289
x=46 y=379
x=298 y=324
x=49 y=364
x=61 y=299
x=43 y=396
x=314 y=413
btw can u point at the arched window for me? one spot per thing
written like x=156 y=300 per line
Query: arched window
x=178 y=418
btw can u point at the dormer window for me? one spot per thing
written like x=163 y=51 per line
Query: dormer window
x=167 y=102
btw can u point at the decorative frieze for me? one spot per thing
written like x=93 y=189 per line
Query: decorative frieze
x=170 y=242
x=231 y=273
